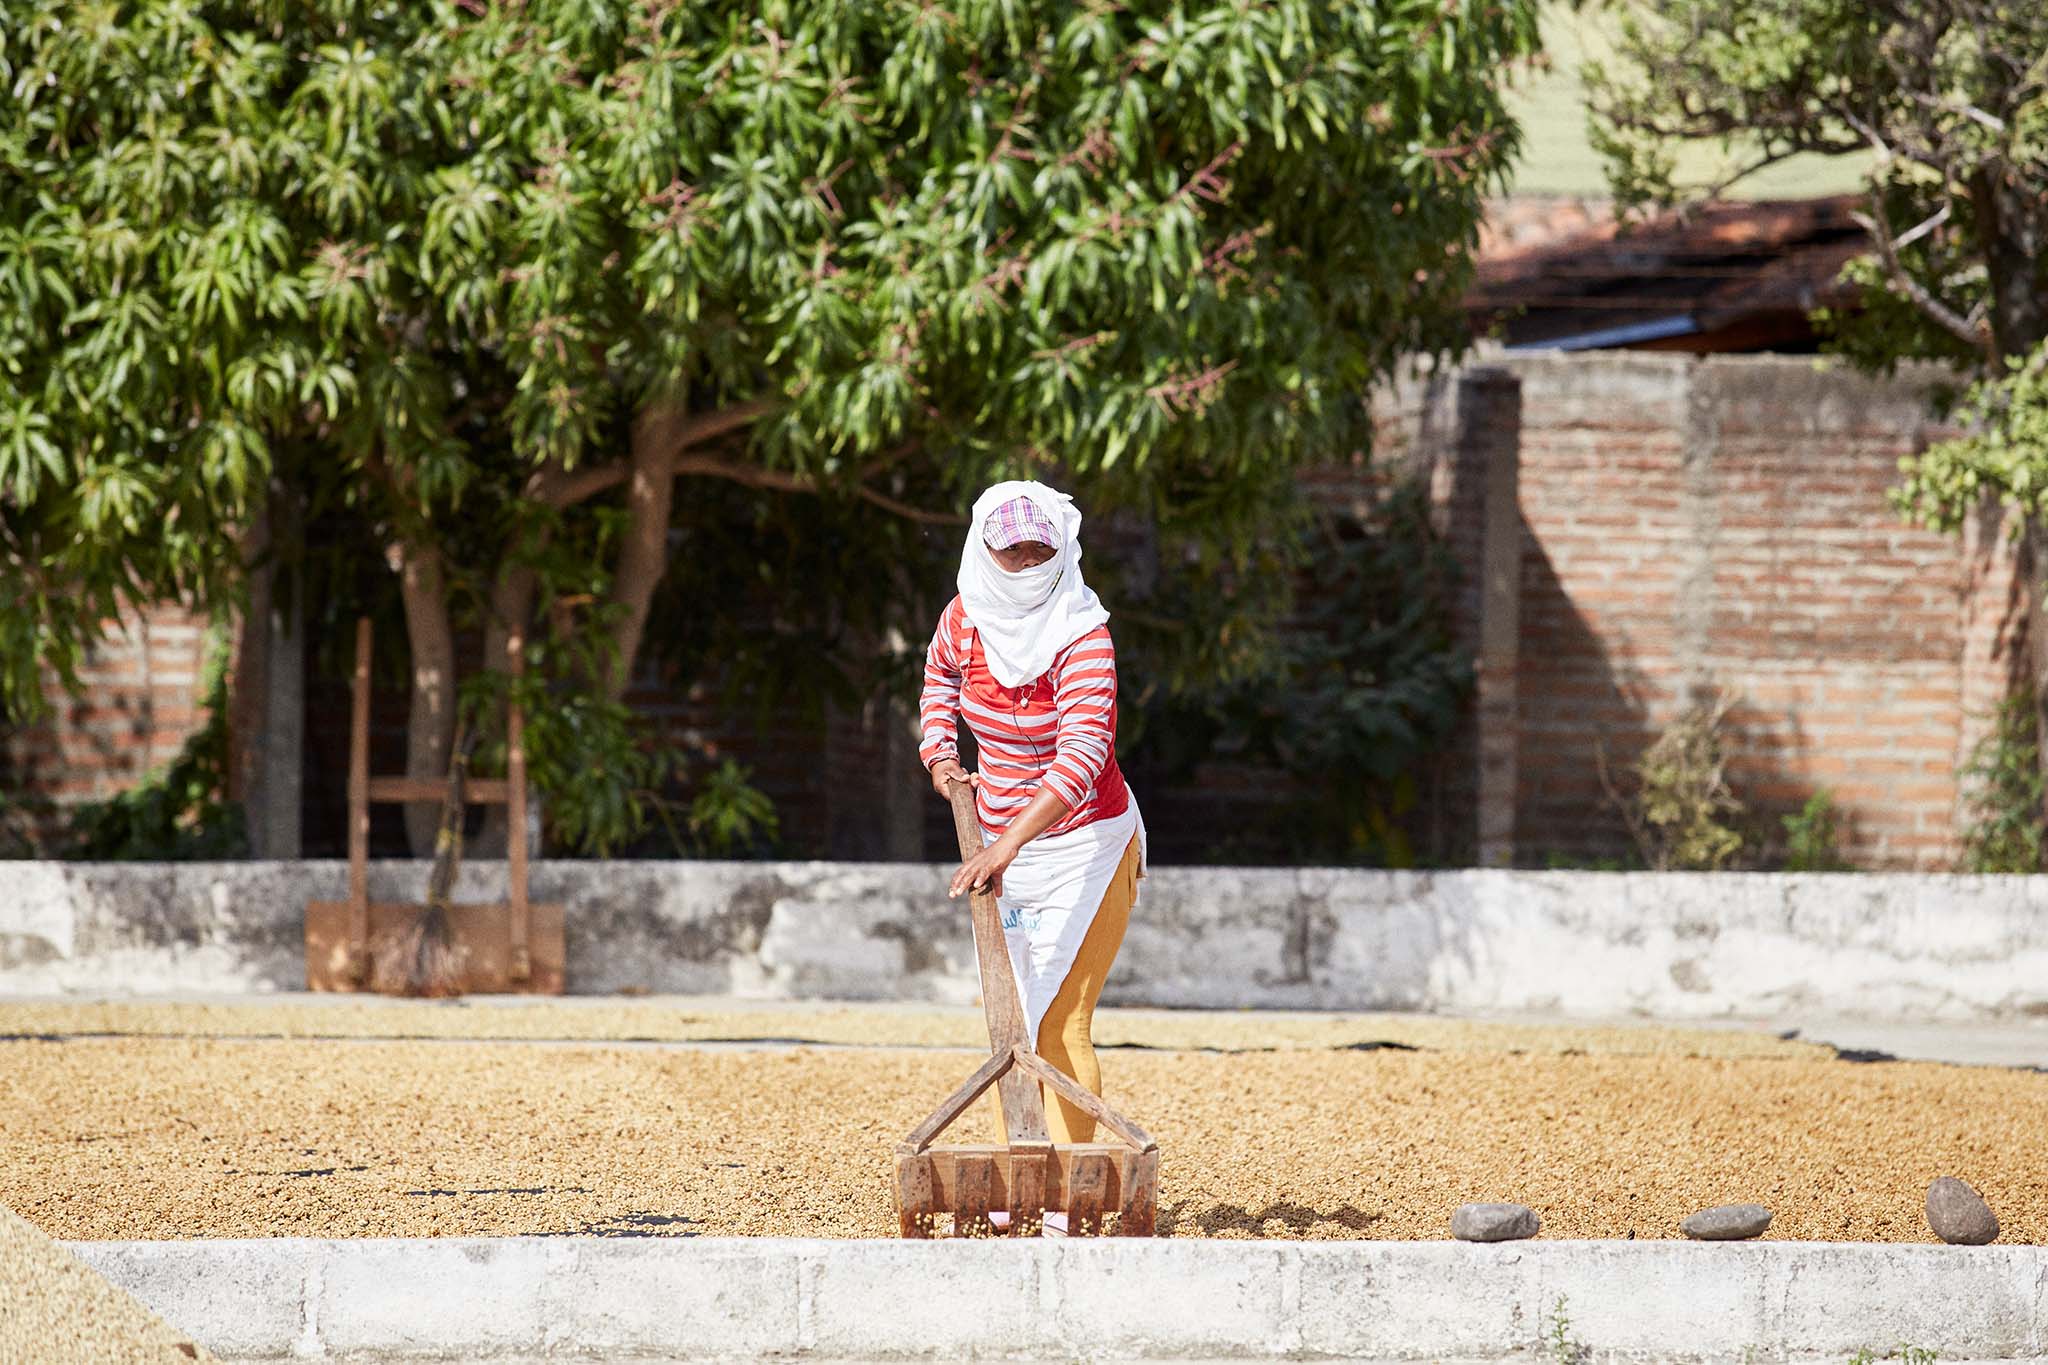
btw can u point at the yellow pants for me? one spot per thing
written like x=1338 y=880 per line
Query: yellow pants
x=1064 y=1034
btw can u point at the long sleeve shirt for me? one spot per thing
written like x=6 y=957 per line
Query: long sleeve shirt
x=1057 y=730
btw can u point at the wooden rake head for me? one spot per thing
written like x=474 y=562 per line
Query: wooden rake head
x=1104 y=1187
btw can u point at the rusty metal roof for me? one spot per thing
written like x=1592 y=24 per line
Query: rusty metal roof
x=1717 y=277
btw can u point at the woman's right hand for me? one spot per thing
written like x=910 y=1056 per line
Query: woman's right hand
x=949 y=770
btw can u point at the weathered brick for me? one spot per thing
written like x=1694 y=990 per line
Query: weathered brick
x=1772 y=567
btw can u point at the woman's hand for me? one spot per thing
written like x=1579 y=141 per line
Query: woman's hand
x=949 y=770
x=985 y=867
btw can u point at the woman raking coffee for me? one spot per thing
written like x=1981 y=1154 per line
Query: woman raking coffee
x=1024 y=655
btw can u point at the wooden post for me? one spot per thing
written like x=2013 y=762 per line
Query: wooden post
x=359 y=811
x=515 y=809
x=1030 y=1165
x=1140 y=1213
x=914 y=1194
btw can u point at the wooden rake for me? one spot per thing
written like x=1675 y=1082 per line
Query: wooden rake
x=1092 y=1181
x=512 y=945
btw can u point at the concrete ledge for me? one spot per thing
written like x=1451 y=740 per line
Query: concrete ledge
x=728 y=1299
x=1674 y=945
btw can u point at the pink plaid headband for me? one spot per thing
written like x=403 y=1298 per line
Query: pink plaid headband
x=1016 y=521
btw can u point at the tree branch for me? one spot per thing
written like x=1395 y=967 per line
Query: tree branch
x=1894 y=149
x=560 y=488
x=1940 y=313
x=783 y=481
x=1692 y=124
x=906 y=511
x=1960 y=107
x=1933 y=221
x=1724 y=184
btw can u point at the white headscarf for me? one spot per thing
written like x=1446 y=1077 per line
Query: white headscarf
x=1027 y=618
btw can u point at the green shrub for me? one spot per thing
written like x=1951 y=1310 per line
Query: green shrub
x=1813 y=837
x=1679 y=811
x=1354 y=700
x=180 y=812
x=24 y=818
x=730 y=816
x=2002 y=786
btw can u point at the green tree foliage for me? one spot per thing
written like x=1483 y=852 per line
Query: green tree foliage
x=1361 y=688
x=1952 y=98
x=729 y=815
x=499 y=279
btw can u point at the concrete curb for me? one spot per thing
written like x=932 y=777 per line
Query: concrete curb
x=744 y=1298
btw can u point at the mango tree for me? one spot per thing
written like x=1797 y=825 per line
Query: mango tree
x=510 y=279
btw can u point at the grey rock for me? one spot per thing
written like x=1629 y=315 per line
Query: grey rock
x=1959 y=1215
x=1494 y=1222
x=1727 y=1223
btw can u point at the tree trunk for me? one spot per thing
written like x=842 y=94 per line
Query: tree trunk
x=249 y=685
x=266 y=707
x=511 y=610
x=2015 y=236
x=643 y=558
x=284 y=692
x=430 y=728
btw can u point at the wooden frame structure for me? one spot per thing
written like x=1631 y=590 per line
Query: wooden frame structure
x=511 y=945
x=1091 y=1181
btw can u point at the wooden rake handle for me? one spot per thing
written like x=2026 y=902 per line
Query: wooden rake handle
x=998 y=983
x=515 y=814
x=1023 y=1106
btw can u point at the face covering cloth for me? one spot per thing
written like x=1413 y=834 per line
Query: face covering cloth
x=1025 y=619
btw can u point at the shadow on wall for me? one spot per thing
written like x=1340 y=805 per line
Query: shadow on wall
x=83 y=750
x=1577 y=705
x=1771 y=767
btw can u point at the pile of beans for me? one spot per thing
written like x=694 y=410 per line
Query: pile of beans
x=1604 y=1133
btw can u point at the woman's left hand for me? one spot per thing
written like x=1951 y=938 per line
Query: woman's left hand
x=984 y=867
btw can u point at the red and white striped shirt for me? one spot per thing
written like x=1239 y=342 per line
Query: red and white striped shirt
x=1058 y=730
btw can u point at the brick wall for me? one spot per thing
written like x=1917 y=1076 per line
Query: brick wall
x=1723 y=525
x=140 y=702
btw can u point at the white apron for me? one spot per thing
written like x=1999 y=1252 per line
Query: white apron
x=1050 y=896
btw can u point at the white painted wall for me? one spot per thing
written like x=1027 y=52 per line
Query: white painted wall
x=1671 y=945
